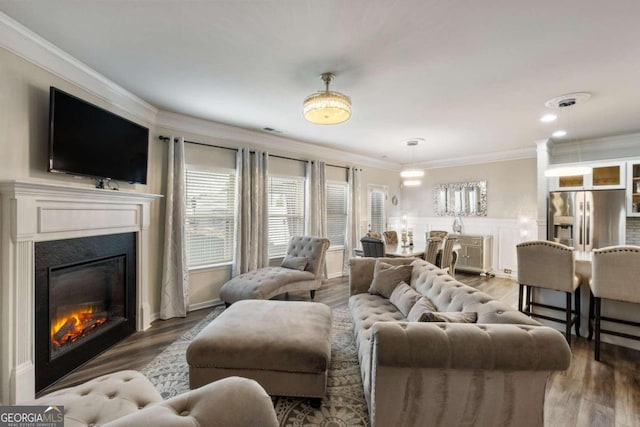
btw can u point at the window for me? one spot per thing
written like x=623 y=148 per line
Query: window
x=210 y=215
x=336 y=213
x=377 y=217
x=286 y=212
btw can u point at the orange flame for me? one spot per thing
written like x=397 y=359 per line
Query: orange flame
x=80 y=322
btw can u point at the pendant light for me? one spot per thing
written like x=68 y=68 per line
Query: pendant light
x=411 y=174
x=327 y=107
x=566 y=102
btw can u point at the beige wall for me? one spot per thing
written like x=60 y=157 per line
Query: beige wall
x=511 y=188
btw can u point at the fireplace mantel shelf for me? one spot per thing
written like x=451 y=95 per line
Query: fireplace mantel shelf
x=37 y=211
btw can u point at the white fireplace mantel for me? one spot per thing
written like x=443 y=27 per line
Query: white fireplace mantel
x=36 y=212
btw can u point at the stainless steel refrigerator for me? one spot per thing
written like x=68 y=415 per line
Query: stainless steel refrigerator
x=587 y=220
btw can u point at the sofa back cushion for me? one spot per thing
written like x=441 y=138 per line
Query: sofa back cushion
x=448 y=295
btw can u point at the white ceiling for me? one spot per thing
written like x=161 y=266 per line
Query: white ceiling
x=471 y=77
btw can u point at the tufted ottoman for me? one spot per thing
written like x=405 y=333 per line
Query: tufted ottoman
x=284 y=345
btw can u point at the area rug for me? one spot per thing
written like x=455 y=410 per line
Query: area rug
x=344 y=405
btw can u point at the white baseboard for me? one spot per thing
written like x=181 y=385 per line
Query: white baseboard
x=205 y=304
x=335 y=275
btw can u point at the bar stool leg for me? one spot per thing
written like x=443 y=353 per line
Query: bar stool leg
x=567 y=329
x=577 y=298
x=597 y=308
x=528 y=299
x=520 y=295
x=591 y=315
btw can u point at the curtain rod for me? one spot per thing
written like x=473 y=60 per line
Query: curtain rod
x=166 y=138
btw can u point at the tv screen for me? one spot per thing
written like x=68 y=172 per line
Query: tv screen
x=87 y=140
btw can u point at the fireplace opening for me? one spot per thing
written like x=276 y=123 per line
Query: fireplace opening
x=75 y=316
x=85 y=301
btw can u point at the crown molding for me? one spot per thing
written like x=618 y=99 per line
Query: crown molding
x=603 y=148
x=499 y=156
x=239 y=137
x=23 y=42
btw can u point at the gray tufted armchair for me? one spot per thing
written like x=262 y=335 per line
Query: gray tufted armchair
x=127 y=398
x=301 y=270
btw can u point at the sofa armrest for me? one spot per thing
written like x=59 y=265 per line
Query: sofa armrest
x=233 y=401
x=469 y=346
x=361 y=272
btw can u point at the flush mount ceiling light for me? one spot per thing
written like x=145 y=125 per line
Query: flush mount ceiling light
x=565 y=102
x=409 y=172
x=327 y=107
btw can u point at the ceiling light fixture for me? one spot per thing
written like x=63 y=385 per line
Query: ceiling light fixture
x=548 y=118
x=412 y=172
x=566 y=102
x=327 y=107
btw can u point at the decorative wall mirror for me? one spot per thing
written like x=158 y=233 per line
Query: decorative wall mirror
x=461 y=198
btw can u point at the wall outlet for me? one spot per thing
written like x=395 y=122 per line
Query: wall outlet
x=507 y=271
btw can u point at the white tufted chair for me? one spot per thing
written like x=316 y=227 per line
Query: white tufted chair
x=616 y=270
x=267 y=282
x=127 y=398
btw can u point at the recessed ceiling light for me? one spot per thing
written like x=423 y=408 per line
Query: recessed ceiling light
x=559 y=133
x=548 y=118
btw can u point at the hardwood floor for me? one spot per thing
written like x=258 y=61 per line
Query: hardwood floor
x=589 y=393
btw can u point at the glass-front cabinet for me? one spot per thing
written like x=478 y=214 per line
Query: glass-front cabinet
x=604 y=176
x=633 y=188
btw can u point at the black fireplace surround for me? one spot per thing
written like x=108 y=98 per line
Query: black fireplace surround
x=85 y=300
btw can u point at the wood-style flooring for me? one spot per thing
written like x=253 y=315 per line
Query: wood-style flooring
x=589 y=393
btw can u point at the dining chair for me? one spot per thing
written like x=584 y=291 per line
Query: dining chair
x=549 y=265
x=448 y=256
x=438 y=233
x=372 y=247
x=375 y=235
x=616 y=270
x=391 y=237
x=431 y=251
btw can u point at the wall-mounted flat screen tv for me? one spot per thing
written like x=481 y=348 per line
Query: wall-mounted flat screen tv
x=85 y=139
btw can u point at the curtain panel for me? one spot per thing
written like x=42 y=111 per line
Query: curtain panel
x=174 y=297
x=315 y=217
x=251 y=246
x=352 y=238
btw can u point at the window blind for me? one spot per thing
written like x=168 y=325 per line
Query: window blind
x=377 y=215
x=286 y=212
x=210 y=216
x=336 y=213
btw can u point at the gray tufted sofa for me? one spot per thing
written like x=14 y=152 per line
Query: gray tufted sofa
x=267 y=282
x=489 y=373
x=127 y=398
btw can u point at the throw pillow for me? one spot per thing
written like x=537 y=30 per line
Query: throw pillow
x=386 y=277
x=450 y=317
x=294 y=262
x=404 y=298
x=421 y=306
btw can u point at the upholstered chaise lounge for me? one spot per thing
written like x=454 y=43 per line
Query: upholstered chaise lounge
x=127 y=398
x=301 y=270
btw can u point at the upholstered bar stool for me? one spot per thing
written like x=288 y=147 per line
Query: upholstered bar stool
x=549 y=265
x=616 y=276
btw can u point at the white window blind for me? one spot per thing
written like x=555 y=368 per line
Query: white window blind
x=210 y=216
x=376 y=210
x=286 y=212
x=336 y=213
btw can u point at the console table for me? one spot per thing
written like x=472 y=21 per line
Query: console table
x=474 y=253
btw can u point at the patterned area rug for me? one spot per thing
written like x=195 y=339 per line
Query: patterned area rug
x=344 y=405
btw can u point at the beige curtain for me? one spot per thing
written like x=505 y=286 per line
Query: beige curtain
x=352 y=238
x=315 y=218
x=174 y=296
x=251 y=249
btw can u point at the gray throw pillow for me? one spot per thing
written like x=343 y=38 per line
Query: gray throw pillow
x=294 y=262
x=421 y=306
x=450 y=317
x=386 y=277
x=404 y=298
